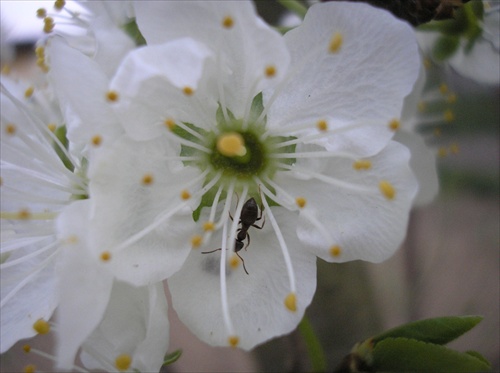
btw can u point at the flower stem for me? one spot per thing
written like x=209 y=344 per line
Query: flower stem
x=294 y=6
x=314 y=348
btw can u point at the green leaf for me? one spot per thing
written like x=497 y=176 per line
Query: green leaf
x=313 y=345
x=445 y=47
x=172 y=357
x=60 y=133
x=439 y=330
x=402 y=354
x=256 y=109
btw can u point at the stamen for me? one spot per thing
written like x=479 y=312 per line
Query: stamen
x=362 y=165
x=188 y=91
x=52 y=127
x=196 y=241
x=223 y=289
x=10 y=129
x=147 y=179
x=234 y=261
x=208 y=226
x=27 y=257
x=387 y=189
x=169 y=123
x=335 y=43
x=41 y=326
x=231 y=144
x=30 y=368
x=27 y=348
x=123 y=362
x=301 y=201
x=394 y=125
x=49 y=25
x=29 y=92
x=291 y=302
x=59 y=4
x=270 y=71
x=227 y=22
x=105 y=256
x=96 y=140
x=443 y=88
x=112 y=96
x=448 y=116
x=322 y=125
x=185 y=195
x=335 y=251
x=24 y=214
x=233 y=340
x=41 y=13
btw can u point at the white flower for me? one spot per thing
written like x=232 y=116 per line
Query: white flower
x=219 y=109
x=38 y=178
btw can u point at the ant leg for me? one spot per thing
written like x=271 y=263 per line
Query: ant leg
x=242 y=261
x=213 y=251
x=248 y=244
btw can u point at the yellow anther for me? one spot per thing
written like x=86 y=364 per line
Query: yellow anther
x=41 y=326
x=270 y=71
x=196 y=241
x=300 y=201
x=452 y=98
x=322 y=125
x=454 y=148
x=27 y=348
x=30 y=368
x=188 y=91
x=40 y=62
x=387 y=189
x=112 y=96
x=147 y=179
x=41 y=13
x=96 y=140
x=10 y=129
x=59 y=4
x=362 y=164
x=335 y=251
x=437 y=132
x=427 y=63
x=49 y=25
x=52 y=127
x=40 y=51
x=208 y=226
x=29 y=92
x=233 y=341
x=105 y=256
x=228 y=22
x=335 y=43
x=291 y=302
x=24 y=214
x=123 y=362
x=448 y=116
x=422 y=106
x=394 y=124
x=443 y=88
x=231 y=144
x=442 y=152
x=234 y=261
x=6 y=69
x=169 y=123
x=185 y=195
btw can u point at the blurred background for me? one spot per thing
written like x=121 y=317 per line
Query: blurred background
x=448 y=265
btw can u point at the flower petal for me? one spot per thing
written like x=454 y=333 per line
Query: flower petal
x=256 y=300
x=364 y=80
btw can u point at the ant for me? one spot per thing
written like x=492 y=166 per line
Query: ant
x=249 y=215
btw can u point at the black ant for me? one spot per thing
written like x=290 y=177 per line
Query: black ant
x=249 y=215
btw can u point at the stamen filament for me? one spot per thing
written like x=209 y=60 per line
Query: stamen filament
x=223 y=288
x=22 y=259
x=191 y=144
x=53 y=358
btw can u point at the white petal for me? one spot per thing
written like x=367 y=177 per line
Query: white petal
x=246 y=48
x=135 y=323
x=366 y=80
x=84 y=285
x=256 y=300
x=150 y=82
x=81 y=86
x=423 y=165
x=363 y=223
x=124 y=206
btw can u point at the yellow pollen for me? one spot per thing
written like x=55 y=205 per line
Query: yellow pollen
x=41 y=326
x=362 y=165
x=233 y=341
x=208 y=226
x=6 y=70
x=105 y=256
x=335 y=43
x=96 y=140
x=291 y=302
x=442 y=152
x=387 y=189
x=112 y=96
x=300 y=201
x=322 y=125
x=41 y=13
x=29 y=92
x=448 y=116
x=10 y=129
x=123 y=362
x=437 y=132
x=49 y=25
x=188 y=91
x=196 y=241
x=335 y=251
x=147 y=179
x=443 y=88
x=40 y=51
x=231 y=145
x=270 y=71
x=422 y=106
x=27 y=348
x=170 y=124
x=30 y=368
x=52 y=127
x=227 y=22
x=452 y=98
x=394 y=124
x=185 y=195
x=24 y=214
x=59 y=4
x=454 y=149
x=234 y=262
